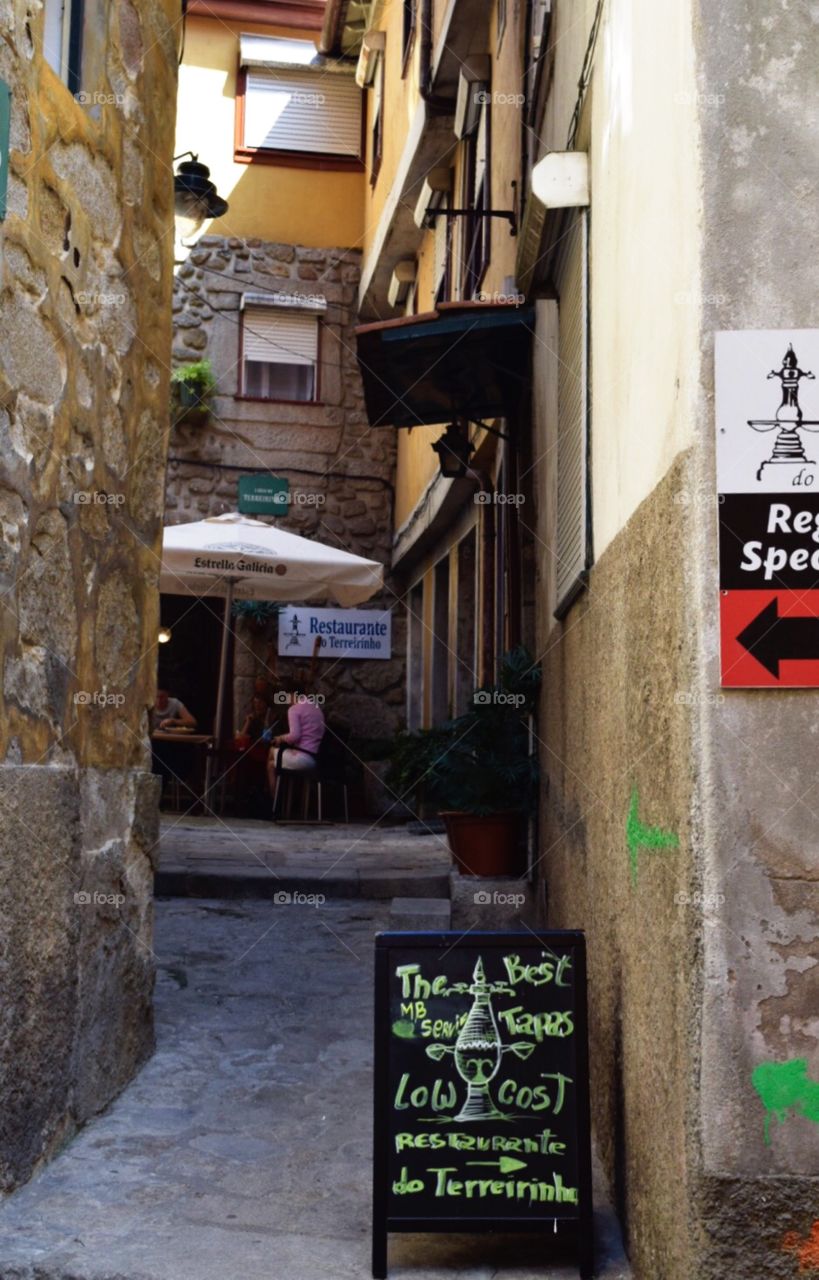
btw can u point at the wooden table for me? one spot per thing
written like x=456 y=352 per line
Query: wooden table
x=202 y=741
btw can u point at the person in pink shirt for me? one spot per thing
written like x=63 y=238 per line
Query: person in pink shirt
x=297 y=750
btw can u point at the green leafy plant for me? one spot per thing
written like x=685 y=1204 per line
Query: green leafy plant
x=257 y=612
x=192 y=387
x=479 y=763
x=413 y=761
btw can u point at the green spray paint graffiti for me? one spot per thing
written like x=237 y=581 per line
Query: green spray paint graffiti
x=639 y=836
x=784 y=1087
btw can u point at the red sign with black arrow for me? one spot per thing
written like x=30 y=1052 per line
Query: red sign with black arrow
x=770 y=639
x=768 y=481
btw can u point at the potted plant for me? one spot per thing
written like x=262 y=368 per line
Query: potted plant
x=192 y=387
x=410 y=778
x=256 y=613
x=480 y=771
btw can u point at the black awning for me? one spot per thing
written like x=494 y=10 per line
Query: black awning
x=463 y=360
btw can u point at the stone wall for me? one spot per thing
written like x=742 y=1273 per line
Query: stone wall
x=616 y=729
x=758 y=1199
x=679 y=819
x=85 y=282
x=340 y=470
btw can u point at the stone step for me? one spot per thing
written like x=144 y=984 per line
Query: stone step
x=230 y=881
x=420 y=914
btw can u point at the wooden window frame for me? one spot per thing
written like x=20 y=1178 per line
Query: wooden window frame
x=377 y=132
x=443 y=288
x=317 y=400
x=477 y=230
x=316 y=160
x=71 y=33
x=76 y=25
x=503 y=19
x=408 y=30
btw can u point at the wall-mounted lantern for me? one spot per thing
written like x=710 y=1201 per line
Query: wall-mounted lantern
x=195 y=196
x=454 y=450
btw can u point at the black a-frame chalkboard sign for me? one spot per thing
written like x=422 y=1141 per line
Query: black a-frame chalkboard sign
x=482 y=1087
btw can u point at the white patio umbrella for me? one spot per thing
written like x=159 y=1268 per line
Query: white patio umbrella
x=236 y=557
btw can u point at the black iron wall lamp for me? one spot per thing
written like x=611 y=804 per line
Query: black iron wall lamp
x=454 y=448
x=195 y=196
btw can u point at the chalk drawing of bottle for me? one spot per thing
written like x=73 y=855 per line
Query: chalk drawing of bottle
x=478 y=1049
x=788 y=449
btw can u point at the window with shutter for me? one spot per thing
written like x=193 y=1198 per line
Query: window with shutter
x=290 y=110
x=279 y=354
x=572 y=535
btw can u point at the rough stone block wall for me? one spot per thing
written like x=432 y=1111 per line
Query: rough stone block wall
x=340 y=470
x=616 y=723
x=85 y=285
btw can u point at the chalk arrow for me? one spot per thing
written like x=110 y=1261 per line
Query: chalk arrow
x=770 y=638
x=506 y=1164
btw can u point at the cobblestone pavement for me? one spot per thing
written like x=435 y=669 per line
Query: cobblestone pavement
x=242 y=1150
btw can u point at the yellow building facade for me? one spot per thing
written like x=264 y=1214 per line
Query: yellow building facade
x=441 y=212
x=316 y=206
x=267 y=293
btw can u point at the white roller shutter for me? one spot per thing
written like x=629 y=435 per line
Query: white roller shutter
x=571 y=279
x=279 y=337
x=302 y=110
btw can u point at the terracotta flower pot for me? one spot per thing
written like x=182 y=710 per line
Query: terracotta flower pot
x=486 y=846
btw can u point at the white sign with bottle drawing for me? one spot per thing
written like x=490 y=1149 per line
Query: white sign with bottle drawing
x=344 y=633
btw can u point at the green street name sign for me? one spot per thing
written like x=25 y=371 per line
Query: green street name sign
x=5 y=130
x=264 y=495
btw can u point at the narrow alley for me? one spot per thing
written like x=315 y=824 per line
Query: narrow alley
x=242 y=1149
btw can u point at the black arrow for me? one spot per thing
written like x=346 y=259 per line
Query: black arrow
x=770 y=638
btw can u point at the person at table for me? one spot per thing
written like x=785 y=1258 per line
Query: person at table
x=169 y=713
x=297 y=750
x=257 y=719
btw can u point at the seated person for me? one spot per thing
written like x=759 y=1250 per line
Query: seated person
x=296 y=750
x=169 y=713
x=257 y=719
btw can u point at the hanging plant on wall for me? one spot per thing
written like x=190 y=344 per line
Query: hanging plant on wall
x=192 y=388
x=257 y=613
